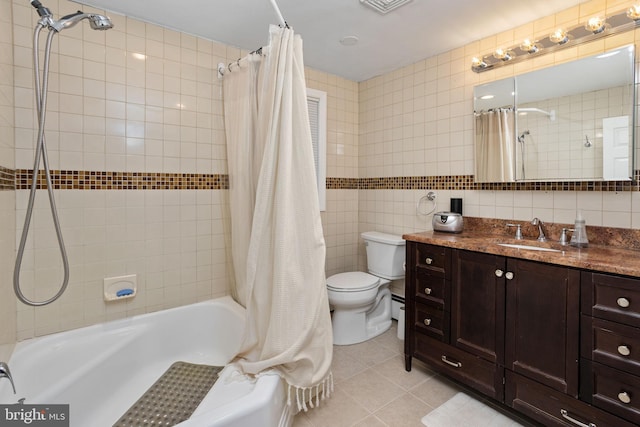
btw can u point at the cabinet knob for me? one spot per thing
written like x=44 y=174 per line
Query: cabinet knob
x=427 y=322
x=623 y=302
x=427 y=291
x=624 y=350
x=428 y=261
x=624 y=397
x=508 y=275
x=499 y=273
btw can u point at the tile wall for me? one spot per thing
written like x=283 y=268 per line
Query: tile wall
x=7 y=193
x=127 y=105
x=417 y=121
x=340 y=221
x=111 y=111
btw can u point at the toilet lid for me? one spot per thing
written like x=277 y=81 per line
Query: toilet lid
x=352 y=281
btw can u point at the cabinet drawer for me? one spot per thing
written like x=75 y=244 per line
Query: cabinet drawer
x=615 y=391
x=431 y=321
x=431 y=287
x=612 y=298
x=433 y=257
x=552 y=408
x=473 y=371
x=611 y=344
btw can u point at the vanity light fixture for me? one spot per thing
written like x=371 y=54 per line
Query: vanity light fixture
x=596 y=24
x=529 y=46
x=559 y=36
x=596 y=27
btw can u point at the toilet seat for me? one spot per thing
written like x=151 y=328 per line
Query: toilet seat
x=353 y=281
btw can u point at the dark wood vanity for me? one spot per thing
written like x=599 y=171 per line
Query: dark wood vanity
x=552 y=335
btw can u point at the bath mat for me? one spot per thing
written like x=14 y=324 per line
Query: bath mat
x=173 y=397
x=464 y=410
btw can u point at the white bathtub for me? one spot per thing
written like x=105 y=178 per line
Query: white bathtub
x=101 y=370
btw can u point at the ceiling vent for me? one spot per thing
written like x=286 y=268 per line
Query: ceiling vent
x=384 y=6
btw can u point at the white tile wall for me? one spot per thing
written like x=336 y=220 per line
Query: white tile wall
x=143 y=98
x=7 y=198
x=135 y=98
x=110 y=110
x=417 y=121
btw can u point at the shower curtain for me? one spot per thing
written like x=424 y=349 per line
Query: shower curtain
x=495 y=145
x=278 y=245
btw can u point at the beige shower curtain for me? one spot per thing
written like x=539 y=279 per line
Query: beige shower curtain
x=495 y=145
x=283 y=289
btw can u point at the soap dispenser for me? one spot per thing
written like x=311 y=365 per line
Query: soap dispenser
x=579 y=237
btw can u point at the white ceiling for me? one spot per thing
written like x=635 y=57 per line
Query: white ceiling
x=420 y=29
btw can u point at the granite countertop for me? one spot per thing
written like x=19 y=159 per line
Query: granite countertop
x=609 y=259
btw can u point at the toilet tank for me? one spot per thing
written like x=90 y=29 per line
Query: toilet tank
x=385 y=254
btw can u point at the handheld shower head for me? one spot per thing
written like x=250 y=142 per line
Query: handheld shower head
x=522 y=135
x=97 y=22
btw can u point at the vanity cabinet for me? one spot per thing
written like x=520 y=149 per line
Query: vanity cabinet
x=511 y=329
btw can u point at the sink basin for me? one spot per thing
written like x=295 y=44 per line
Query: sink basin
x=528 y=247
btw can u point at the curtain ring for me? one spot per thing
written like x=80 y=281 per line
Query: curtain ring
x=431 y=197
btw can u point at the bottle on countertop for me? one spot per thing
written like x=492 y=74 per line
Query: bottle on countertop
x=579 y=237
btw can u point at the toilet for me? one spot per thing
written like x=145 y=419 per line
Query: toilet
x=361 y=302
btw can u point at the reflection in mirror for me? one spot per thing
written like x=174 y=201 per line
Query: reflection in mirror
x=573 y=121
x=494 y=126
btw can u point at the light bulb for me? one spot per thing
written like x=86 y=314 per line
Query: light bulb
x=634 y=12
x=559 y=36
x=478 y=63
x=529 y=46
x=595 y=24
x=502 y=54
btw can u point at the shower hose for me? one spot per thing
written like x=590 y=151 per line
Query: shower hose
x=40 y=152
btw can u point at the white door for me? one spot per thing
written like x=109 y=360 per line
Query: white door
x=615 y=148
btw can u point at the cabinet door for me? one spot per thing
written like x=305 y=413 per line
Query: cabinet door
x=477 y=304
x=542 y=323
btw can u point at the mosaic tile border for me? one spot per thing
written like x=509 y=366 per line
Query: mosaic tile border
x=20 y=179
x=95 y=180
x=466 y=182
x=7 y=179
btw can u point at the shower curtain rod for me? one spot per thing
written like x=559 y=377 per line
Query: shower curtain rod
x=283 y=23
x=551 y=114
x=222 y=68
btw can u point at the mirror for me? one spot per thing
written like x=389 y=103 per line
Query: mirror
x=569 y=122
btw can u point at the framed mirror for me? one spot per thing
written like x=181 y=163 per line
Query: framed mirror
x=570 y=122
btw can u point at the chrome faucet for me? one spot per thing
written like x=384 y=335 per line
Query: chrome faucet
x=518 y=231
x=6 y=373
x=538 y=222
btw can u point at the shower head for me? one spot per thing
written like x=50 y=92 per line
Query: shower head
x=522 y=135
x=97 y=22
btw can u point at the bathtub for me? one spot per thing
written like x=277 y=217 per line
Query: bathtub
x=101 y=370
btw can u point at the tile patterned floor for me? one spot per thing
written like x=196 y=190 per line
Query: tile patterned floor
x=372 y=388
